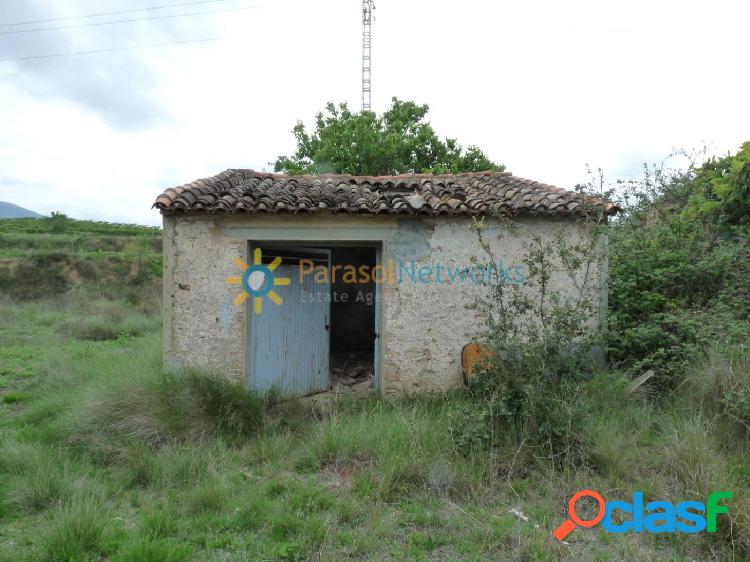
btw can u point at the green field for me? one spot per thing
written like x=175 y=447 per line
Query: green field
x=104 y=456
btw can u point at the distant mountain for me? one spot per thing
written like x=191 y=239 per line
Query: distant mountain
x=11 y=211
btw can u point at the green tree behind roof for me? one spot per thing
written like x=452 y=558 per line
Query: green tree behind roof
x=397 y=142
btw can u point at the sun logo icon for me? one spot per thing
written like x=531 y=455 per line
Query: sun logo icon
x=258 y=281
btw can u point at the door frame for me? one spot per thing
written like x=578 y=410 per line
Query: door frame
x=288 y=244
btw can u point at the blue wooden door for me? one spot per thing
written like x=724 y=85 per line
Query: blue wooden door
x=289 y=342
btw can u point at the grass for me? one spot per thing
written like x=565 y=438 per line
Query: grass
x=41 y=257
x=104 y=456
x=78 y=531
x=62 y=225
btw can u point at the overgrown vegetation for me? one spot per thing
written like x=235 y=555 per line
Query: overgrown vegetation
x=58 y=223
x=108 y=457
x=50 y=255
x=679 y=303
x=104 y=456
x=544 y=344
x=680 y=268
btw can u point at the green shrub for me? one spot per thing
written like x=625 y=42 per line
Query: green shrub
x=536 y=395
x=674 y=287
x=722 y=189
x=543 y=344
x=680 y=269
x=471 y=427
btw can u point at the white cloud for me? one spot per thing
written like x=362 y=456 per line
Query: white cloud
x=544 y=87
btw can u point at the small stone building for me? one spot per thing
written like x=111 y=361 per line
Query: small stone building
x=298 y=285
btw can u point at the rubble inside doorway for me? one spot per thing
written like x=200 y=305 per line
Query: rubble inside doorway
x=351 y=373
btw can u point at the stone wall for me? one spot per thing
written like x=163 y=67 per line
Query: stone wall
x=423 y=325
x=202 y=327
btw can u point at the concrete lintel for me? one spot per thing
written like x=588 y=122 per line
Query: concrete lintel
x=309 y=233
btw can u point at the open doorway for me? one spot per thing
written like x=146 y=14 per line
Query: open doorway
x=352 y=319
x=317 y=326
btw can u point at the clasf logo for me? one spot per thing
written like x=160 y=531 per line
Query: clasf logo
x=653 y=517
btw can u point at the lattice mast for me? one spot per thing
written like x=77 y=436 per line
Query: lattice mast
x=367 y=8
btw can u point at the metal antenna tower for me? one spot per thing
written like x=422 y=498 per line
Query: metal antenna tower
x=367 y=7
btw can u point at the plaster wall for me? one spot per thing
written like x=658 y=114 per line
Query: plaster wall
x=423 y=325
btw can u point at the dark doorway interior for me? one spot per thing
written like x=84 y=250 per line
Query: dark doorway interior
x=352 y=319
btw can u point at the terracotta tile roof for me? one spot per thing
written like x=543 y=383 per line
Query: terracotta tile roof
x=472 y=194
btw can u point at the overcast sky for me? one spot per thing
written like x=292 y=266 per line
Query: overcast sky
x=544 y=87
